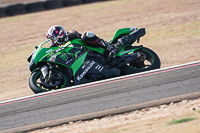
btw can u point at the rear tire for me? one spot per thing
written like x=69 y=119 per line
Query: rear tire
x=149 y=60
x=36 y=85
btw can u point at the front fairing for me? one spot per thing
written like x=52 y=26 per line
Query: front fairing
x=58 y=55
x=31 y=60
x=43 y=52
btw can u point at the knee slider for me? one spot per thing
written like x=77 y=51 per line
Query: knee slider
x=90 y=34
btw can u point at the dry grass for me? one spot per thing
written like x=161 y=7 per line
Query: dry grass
x=182 y=120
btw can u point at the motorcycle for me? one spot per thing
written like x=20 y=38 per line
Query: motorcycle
x=77 y=63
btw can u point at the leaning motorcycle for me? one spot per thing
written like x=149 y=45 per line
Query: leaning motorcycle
x=77 y=63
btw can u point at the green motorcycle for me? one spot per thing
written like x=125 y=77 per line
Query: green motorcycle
x=77 y=63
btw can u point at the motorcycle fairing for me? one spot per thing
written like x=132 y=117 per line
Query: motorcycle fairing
x=81 y=43
x=67 y=57
x=59 y=55
x=62 y=58
x=123 y=51
x=119 y=34
x=93 y=71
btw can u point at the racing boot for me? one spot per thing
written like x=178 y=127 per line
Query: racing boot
x=112 y=51
x=92 y=39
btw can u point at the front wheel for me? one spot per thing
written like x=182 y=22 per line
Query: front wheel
x=40 y=84
x=148 y=60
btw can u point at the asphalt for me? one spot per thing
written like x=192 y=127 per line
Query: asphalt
x=128 y=91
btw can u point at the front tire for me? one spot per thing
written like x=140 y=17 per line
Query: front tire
x=148 y=60
x=37 y=85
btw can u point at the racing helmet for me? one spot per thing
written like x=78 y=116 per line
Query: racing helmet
x=55 y=34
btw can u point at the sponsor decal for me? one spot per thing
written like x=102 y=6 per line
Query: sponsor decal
x=64 y=57
x=53 y=58
x=125 y=51
x=49 y=50
x=50 y=55
x=83 y=67
x=85 y=71
x=69 y=61
x=98 y=67
x=58 y=50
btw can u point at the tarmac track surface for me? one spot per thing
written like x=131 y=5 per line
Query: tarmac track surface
x=98 y=99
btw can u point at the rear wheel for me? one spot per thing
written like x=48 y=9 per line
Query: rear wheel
x=148 y=60
x=40 y=84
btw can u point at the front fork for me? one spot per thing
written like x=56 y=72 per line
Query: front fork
x=50 y=73
x=47 y=72
x=50 y=79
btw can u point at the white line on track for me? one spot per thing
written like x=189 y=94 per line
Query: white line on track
x=96 y=82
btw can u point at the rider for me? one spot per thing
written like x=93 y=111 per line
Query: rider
x=58 y=36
